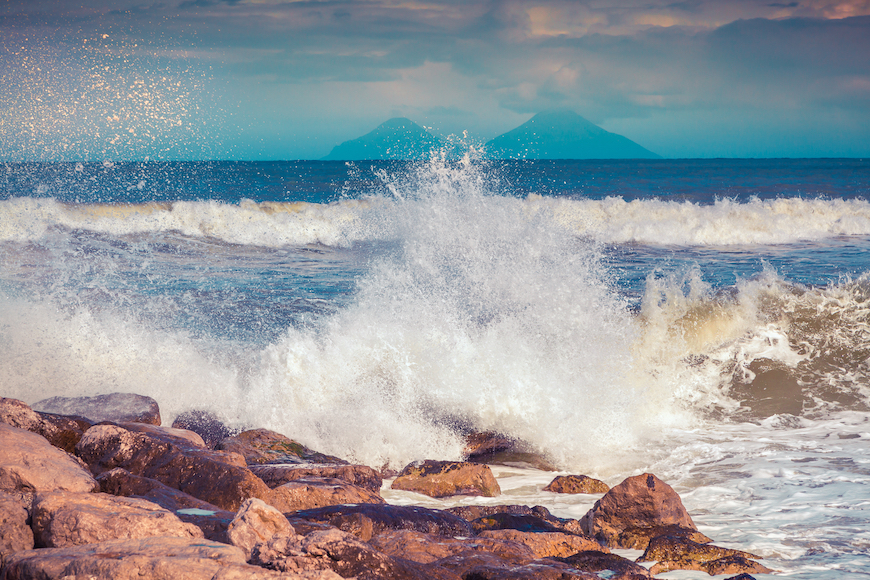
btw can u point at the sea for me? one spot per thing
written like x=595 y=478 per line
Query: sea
x=704 y=320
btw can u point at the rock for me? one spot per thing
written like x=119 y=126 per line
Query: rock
x=596 y=562
x=259 y=446
x=680 y=553
x=447 y=478
x=19 y=414
x=545 y=544
x=118 y=407
x=189 y=437
x=212 y=520
x=386 y=517
x=206 y=425
x=494 y=448
x=62 y=519
x=577 y=484
x=427 y=548
x=211 y=476
x=638 y=502
x=256 y=523
x=520 y=522
x=485 y=566
x=306 y=494
x=639 y=538
x=15 y=533
x=62 y=432
x=359 y=475
x=473 y=512
x=30 y=464
x=743 y=576
x=158 y=558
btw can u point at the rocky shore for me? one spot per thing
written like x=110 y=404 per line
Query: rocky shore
x=97 y=488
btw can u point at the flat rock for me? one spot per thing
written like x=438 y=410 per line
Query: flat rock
x=62 y=519
x=205 y=424
x=260 y=446
x=386 y=517
x=427 y=548
x=212 y=520
x=474 y=512
x=638 y=502
x=256 y=523
x=545 y=544
x=30 y=464
x=15 y=533
x=520 y=522
x=577 y=484
x=447 y=478
x=639 y=538
x=680 y=553
x=306 y=494
x=486 y=566
x=359 y=475
x=157 y=558
x=616 y=567
x=212 y=476
x=118 y=407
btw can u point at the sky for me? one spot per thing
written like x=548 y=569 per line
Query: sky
x=284 y=79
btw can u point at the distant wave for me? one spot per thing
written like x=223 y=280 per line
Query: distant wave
x=611 y=220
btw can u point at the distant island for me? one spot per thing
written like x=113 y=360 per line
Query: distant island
x=560 y=134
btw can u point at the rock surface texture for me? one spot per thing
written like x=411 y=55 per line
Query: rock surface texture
x=577 y=484
x=256 y=523
x=447 y=478
x=117 y=407
x=259 y=446
x=359 y=475
x=15 y=533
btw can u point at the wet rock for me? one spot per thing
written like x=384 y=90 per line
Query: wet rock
x=205 y=474
x=63 y=518
x=638 y=502
x=680 y=553
x=616 y=567
x=497 y=449
x=639 y=538
x=157 y=558
x=212 y=520
x=473 y=512
x=15 y=533
x=520 y=522
x=577 y=484
x=447 y=478
x=427 y=548
x=485 y=566
x=30 y=464
x=118 y=407
x=206 y=425
x=182 y=436
x=359 y=475
x=386 y=517
x=545 y=544
x=743 y=576
x=60 y=431
x=260 y=446
x=305 y=494
x=256 y=523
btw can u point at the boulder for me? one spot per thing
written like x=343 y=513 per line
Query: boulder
x=577 y=484
x=306 y=494
x=613 y=567
x=256 y=523
x=15 y=533
x=474 y=512
x=157 y=558
x=19 y=414
x=188 y=437
x=359 y=475
x=206 y=425
x=447 y=478
x=119 y=407
x=60 y=431
x=486 y=566
x=638 y=502
x=520 y=522
x=30 y=464
x=386 y=517
x=259 y=446
x=63 y=518
x=545 y=544
x=497 y=449
x=639 y=538
x=681 y=553
x=212 y=520
x=212 y=476
x=427 y=548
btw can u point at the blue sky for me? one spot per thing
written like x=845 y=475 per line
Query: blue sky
x=282 y=79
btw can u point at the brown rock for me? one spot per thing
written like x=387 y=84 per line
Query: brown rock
x=486 y=566
x=474 y=512
x=19 y=414
x=639 y=538
x=62 y=432
x=743 y=576
x=305 y=494
x=274 y=475
x=257 y=523
x=427 y=548
x=182 y=436
x=212 y=520
x=118 y=407
x=15 y=533
x=597 y=561
x=638 y=502
x=63 y=518
x=520 y=522
x=206 y=425
x=546 y=544
x=447 y=478
x=158 y=558
x=205 y=474
x=30 y=464
x=497 y=449
x=680 y=553
x=386 y=517
x=577 y=484
x=259 y=446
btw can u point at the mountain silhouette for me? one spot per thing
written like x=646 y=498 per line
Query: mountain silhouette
x=398 y=138
x=563 y=134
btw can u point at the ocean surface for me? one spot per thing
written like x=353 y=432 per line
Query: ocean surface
x=704 y=320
